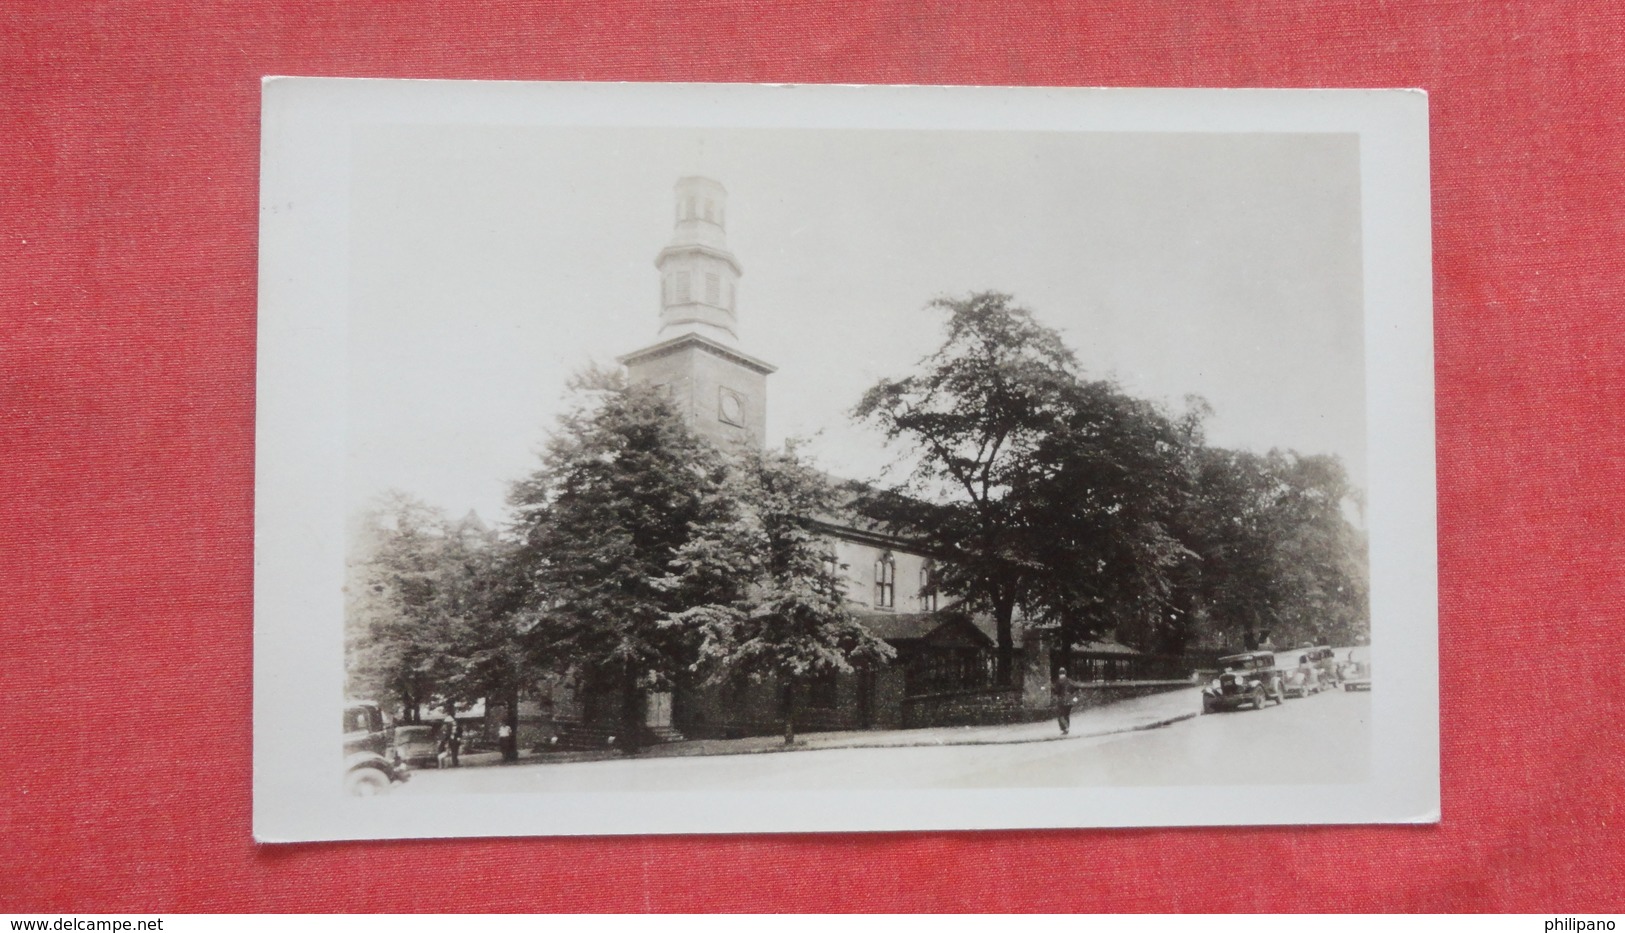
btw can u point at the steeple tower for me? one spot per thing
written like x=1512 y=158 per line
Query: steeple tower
x=698 y=276
x=720 y=390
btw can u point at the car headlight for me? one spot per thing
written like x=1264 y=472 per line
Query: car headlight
x=1216 y=685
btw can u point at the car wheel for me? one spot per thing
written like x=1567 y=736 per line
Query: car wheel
x=1260 y=698
x=366 y=782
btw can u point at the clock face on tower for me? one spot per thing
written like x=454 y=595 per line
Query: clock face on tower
x=731 y=407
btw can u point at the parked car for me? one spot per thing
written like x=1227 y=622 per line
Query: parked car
x=415 y=746
x=366 y=771
x=1299 y=675
x=1245 y=679
x=1355 y=668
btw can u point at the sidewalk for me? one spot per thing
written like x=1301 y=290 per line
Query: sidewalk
x=1127 y=716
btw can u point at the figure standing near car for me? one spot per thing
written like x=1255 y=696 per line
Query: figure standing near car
x=1065 y=696
x=451 y=738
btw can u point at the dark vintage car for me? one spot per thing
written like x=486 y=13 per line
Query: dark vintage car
x=366 y=770
x=1247 y=679
x=415 y=746
x=1355 y=667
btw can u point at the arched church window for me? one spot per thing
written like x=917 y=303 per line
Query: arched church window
x=683 y=293
x=928 y=589
x=713 y=288
x=707 y=208
x=885 y=582
x=688 y=208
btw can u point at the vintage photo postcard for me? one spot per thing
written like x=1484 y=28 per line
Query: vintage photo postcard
x=729 y=458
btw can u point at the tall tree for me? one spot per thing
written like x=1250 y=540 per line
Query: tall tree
x=622 y=483
x=413 y=582
x=1110 y=480
x=763 y=601
x=973 y=421
x=489 y=642
x=1278 y=556
x=1230 y=523
x=1320 y=556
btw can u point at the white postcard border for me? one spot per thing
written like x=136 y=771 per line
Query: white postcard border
x=300 y=507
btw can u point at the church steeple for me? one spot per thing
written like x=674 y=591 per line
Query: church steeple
x=720 y=391
x=699 y=278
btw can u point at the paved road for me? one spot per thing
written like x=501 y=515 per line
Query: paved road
x=1321 y=739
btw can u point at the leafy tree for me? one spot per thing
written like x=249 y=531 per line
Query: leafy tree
x=762 y=600
x=622 y=483
x=1046 y=493
x=974 y=421
x=1278 y=557
x=1320 y=558
x=1229 y=523
x=414 y=581
x=1101 y=512
x=492 y=654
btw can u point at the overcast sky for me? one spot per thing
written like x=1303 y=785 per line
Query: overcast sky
x=489 y=263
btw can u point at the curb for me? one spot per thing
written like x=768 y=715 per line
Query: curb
x=677 y=751
x=670 y=752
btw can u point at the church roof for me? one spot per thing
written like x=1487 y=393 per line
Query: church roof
x=712 y=346
x=940 y=628
x=845 y=521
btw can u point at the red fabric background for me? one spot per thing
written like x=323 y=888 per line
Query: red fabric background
x=129 y=138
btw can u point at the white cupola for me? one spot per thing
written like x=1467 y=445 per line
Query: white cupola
x=699 y=278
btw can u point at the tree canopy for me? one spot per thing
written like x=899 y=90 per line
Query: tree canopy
x=763 y=600
x=621 y=485
x=1044 y=492
x=973 y=423
x=1082 y=507
x=420 y=588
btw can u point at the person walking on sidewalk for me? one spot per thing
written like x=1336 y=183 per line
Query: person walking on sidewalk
x=1065 y=692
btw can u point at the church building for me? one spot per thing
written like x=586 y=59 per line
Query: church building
x=944 y=671
x=722 y=393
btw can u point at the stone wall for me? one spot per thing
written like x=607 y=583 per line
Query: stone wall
x=973 y=708
x=704 y=711
x=1099 y=694
x=1009 y=705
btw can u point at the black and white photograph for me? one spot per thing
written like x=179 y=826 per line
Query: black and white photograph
x=692 y=459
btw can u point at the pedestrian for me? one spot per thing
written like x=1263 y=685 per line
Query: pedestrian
x=1065 y=695
x=451 y=738
x=505 y=741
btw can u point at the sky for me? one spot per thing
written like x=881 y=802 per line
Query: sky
x=489 y=263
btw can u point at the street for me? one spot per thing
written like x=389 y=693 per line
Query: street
x=1321 y=739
